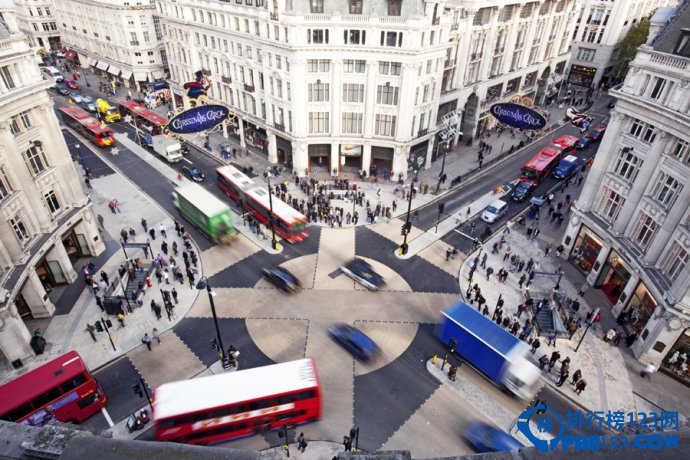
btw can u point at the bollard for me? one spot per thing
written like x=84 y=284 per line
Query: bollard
x=433 y=360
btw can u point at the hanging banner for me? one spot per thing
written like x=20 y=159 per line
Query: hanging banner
x=201 y=118
x=518 y=116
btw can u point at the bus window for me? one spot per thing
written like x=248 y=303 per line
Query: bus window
x=45 y=398
x=308 y=394
x=19 y=413
x=72 y=384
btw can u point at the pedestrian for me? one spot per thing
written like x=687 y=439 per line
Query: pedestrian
x=555 y=356
x=448 y=253
x=484 y=257
x=152 y=232
x=562 y=378
x=156 y=309
x=161 y=228
x=543 y=361
x=177 y=228
x=535 y=345
x=121 y=319
x=347 y=442
x=164 y=247
x=101 y=221
x=166 y=276
x=617 y=338
x=489 y=271
x=576 y=377
x=547 y=249
x=583 y=289
x=156 y=336
x=233 y=356
x=551 y=340
x=521 y=309
x=301 y=443
x=104 y=277
x=124 y=235
x=99 y=302
x=144 y=224
x=173 y=292
x=147 y=341
x=647 y=372
x=580 y=386
x=522 y=280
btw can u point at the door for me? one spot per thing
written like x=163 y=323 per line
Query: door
x=56 y=272
x=83 y=245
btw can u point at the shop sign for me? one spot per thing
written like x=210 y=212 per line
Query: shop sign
x=201 y=118
x=351 y=150
x=517 y=116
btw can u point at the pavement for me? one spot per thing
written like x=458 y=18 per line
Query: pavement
x=609 y=384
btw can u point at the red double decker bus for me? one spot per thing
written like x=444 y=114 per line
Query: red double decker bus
x=62 y=389
x=566 y=144
x=290 y=224
x=217 y=408
x=540 y=165
x=89 y=127
x=143 y=118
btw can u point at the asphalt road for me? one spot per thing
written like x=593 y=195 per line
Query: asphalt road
x=384 y=399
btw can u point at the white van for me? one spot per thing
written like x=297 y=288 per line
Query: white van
x=495 y=210
x=53 y=73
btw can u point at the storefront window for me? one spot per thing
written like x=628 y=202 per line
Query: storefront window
x=613 y=277
x=586 y=250
x=676 y=361
x=639 y=310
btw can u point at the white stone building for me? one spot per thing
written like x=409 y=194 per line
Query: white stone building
x=352 y=84
x=120 y=39
x=630 y=229
x=600 y=27
x=37 y=21
x=8 y=14
x=46 y=221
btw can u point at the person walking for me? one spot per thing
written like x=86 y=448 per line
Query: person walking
x=583 y=289
x=144 y=224
x=522 y=280
x=156 y=335
x=551 y=339
x=535 y=345
x=301 y=442
x=99 y=302
x=576 y=377
x=562 y=378
x=161 y=229
x=647 y=372
x=543 y=361
x=489 y=272
x=347 y=442
x=121 y=319
x=152 y=233
x=173 y=292
x=580 y=386
x=147 y=341
x=555 y=356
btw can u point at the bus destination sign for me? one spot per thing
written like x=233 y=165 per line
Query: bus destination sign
x=518 y=116
x=201 y=118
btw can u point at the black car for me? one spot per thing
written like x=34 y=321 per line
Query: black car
x=281 y=278
x=523 y=190
x=62 y=90
x=583 y=142
x=193 y=173
x=360 y=271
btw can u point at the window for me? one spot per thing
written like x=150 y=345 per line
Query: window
x=659 y=85
x=19 y=229
x=52 y=201
x=352 y=123
x=387 y=94
x=316 y=6
x=628 y=165
x=354 y=66
x=683 y=45
x=353 y=92
x=354 y=37
x=5 y=185
x=586 y=54
x=134 y=41
x=681 y=150
x=318 y=92
x=318 y=65
x=317 y=36
x=641 y=129
x=649 y=134
x=7 y=77
x=644 y=230
x=391 y=38
x=394 y=7
x=279 y=60
x=675 y=261
x=355 y=6
x=36 y=160
x=146 y=37
x=318 y=122
x=130 y=20
x=666 y=190
x=610 y=204
x=389 y=68
x=385 y=125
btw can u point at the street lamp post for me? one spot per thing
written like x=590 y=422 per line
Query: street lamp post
x=274 y=243
x=408 y=225
x=203 y=284
x=443 y=144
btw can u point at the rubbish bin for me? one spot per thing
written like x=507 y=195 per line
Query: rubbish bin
x=112 y=305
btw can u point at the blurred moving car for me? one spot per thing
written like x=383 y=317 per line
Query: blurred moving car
x=63 y=90
x=597 y=133
x=360 y=271
x=88 y=103
x=523 y=190
x=193 y=173
x=486 y=438
x=354 y=340
x=281 y=278
x=77 y=98
x=583 y=142
x=71 y=84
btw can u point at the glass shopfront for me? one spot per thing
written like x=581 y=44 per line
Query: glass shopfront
x=638 y=311
x=613 y=277
x=676 y=361
x=586 y=250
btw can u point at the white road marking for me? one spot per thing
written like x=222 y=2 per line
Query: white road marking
x=107 y=417
x=184 y=159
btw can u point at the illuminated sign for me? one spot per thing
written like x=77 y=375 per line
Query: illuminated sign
x=198 y=119
x=517 y=116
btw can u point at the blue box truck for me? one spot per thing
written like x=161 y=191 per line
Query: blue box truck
x=566 y=167
x=489 y=348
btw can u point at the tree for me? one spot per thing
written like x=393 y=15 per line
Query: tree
x=635 y=37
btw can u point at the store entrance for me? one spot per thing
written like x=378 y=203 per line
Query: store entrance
x=613 y=277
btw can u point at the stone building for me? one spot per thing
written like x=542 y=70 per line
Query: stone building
x=36 y=19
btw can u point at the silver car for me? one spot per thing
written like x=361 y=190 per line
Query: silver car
x=88 y=103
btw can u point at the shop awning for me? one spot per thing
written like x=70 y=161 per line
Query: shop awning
x=71 y=54
x=140 y=76
x=126 y=74
x=93 y=61
x=158 y=74
x=102 y=65
x=114 y=70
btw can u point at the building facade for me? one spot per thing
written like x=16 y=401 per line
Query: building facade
x=353 y=85
x=630 y=230
x=46 y=221
x=36 y=19
x=119 y=39
x=8 y=14
x=600 y=27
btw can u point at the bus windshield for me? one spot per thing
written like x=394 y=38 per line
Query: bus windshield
x=530 y=174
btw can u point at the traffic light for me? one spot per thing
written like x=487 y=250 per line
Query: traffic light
x=137 y=390
x=403 y=231
x=108 y=323
x=99 y=326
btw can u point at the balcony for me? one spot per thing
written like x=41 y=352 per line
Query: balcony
x=279 y=127
x=422 y=132
x=475 y=56
x=249 y=88
x=226 y=80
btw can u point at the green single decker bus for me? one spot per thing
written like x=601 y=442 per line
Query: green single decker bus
x=205 y=212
